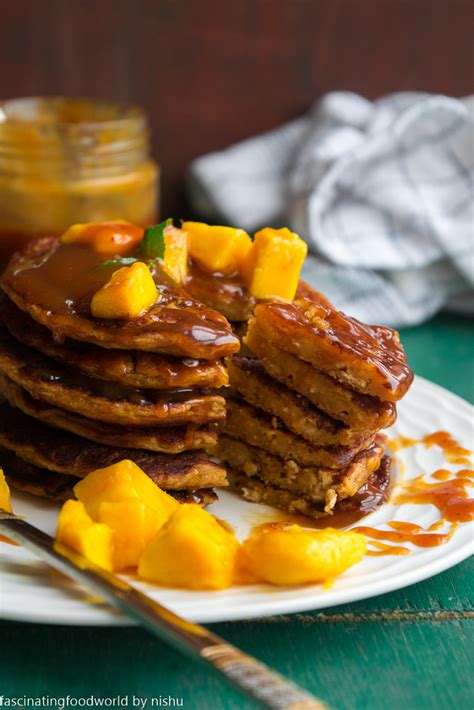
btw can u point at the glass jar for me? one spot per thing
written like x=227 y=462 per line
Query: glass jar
x=66 y=161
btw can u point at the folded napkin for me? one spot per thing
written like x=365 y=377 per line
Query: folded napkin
x=381 y=191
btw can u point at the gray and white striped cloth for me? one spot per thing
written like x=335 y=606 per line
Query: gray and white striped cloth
x=381 y=191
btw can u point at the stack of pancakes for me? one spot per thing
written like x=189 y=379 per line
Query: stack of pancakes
x=303 y=421
x=81 y=393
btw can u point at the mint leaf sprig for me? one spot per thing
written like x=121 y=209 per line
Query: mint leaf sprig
x=151 y=248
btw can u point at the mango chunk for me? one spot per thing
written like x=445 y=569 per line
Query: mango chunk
x=119 y=482
x=217 y=249
x=5 y=501
x=292 y=555
x=175 y=262
x=133 y=524
x=79 y=532
x=107 y=238
x=274 y=263
x=129 y=292
x=193 y=550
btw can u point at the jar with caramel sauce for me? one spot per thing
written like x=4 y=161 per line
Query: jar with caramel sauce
x=66 y=161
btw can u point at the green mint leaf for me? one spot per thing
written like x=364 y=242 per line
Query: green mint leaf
x=124 y=261
x=152 y=246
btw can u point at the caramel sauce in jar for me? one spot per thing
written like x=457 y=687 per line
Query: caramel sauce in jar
x=65 y=161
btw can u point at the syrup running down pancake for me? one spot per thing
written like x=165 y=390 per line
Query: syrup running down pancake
x=367 y=358
x=134 y=368
x=55 y=283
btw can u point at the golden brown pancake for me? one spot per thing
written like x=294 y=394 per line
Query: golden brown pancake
x=59 y=487
x=52 y=382
x=171 y=440
x=55 y=283
x=367 y=358
x=226 y=294
x=25 y=477
x=129 y=368
x=66 y=453
x=256 y=491
x=257 y=428
x=360 y=411
x=248 y=377
x=310 y=482
x=229 y=295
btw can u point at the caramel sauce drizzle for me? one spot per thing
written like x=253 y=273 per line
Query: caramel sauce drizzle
x=381 y=548
x=452 y=450
x=448 y=494
x=408 y=532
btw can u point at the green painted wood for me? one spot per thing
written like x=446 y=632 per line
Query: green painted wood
x=409 y=649
x=442 y=351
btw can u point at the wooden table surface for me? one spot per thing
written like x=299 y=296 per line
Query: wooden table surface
x=410 y=649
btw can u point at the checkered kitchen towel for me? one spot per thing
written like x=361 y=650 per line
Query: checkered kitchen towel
x=381 y=191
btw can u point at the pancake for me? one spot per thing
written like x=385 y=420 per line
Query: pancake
x=229 y=295
x=310 y=482
x=248 y=377
x=226 y=294
x=129 y=368
x=52 y=382
x=39 y=482
x=255 y=491
x=171 y=440
x=54 y=283
x=360 y=411
x=58 y=487
x=367 y=358
x=67 y=453
x=257 y=428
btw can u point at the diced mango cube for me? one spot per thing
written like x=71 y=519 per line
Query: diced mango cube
x=107 y=238
x=292 y=555
x=175 y=262
x=193 y=550
x=274 y=264
x=217 y=249
x=5 y=501
x=134 y=524
x=79 y=532
x=119 y=482
x=129 y=292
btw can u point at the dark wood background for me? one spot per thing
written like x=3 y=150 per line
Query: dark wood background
x=211 y=72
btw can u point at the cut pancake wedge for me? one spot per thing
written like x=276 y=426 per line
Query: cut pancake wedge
x=247 y=376
x=256 y=491
x=310 y=482
x=367 y=358
x=360 y=411
x=257 y=428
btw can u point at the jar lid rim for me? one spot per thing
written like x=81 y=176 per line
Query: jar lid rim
x=52 y=111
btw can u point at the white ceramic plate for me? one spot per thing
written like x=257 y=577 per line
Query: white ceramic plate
x=30 y=591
